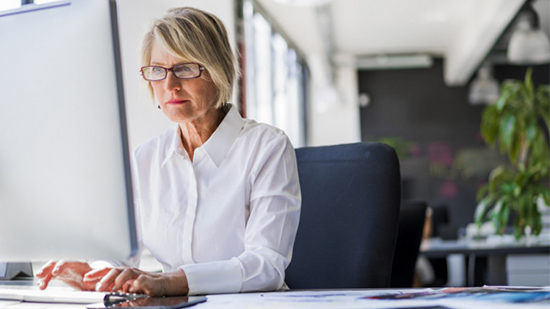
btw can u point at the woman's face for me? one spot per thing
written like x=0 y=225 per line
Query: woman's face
x=182 y=100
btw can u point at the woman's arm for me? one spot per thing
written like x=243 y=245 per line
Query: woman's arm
x=270 y=232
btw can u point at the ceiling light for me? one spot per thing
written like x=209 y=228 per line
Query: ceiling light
x=381 y=62
x=484 y=88
x=528 y=44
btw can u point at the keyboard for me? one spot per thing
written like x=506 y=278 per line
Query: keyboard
x=64 y=296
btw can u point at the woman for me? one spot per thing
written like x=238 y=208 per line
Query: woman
x=217 y=196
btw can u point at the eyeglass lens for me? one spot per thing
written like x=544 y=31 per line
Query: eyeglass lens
x=184 y=71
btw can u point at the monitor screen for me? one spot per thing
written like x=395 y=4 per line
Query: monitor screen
x=65 y=187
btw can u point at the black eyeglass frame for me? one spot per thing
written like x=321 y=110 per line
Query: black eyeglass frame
x=201 y=68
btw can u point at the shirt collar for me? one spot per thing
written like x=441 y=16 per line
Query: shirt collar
x=175 y=146
x=218 y=145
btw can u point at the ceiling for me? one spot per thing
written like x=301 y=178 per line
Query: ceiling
x=462 y=32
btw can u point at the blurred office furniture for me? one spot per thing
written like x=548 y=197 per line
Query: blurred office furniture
x=528 y=269
x=503 y=259
x=412 y=216
x=440 y=228
x=441 y=223
x=350 y=208
x=15 y=270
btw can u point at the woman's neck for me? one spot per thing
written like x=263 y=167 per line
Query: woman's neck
x=195 y=133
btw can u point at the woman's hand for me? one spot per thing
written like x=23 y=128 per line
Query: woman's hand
x=133 y=280
x=71 y=273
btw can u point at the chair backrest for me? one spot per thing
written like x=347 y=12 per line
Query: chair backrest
x=412 y=216
x=348 y=225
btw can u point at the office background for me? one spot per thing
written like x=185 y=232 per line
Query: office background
x=445 y=161
x=333 y=100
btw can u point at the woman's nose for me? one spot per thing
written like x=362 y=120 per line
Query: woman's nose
x=171 y=82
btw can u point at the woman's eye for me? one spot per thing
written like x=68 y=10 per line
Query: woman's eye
x=182 y=68
x=158 y=70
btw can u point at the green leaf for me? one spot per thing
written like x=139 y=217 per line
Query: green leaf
x=507 y=124
x=482 y=191
x=495 y=214
x=531 y=130
x=529 y=82
x=503 y=218
x=518 y=230
x=539 y=152
x=523 y=211
x=537 y=226
x=499 y=176
x=501 y=102
x=515 y=144
x=546 y=197
x=490 y=124
x=481 y=210
x=542 y=104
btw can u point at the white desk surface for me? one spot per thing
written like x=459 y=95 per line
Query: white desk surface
x=318 y=299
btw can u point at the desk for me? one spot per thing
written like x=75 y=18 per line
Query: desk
x=320 y=299
x=496 y=253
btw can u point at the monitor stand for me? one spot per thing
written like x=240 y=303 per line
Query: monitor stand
x=10 y=271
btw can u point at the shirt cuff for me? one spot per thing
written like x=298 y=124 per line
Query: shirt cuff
x=102 y=264
x=214 y=277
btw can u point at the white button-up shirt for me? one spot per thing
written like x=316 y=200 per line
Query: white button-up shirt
x=228 y=218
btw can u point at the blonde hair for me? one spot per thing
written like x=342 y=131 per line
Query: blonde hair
x=195 y=36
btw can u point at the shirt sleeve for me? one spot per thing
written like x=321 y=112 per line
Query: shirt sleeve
x=275 y=202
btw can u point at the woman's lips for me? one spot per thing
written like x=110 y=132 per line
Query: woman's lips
x=176 y=101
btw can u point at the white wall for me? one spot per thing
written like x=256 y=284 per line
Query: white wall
x=134 y=16
x=334 y=106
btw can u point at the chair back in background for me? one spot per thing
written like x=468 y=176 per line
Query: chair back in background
x=412 y=216
x=348 y=225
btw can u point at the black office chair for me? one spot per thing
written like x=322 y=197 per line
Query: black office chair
x=348 y=226
x=412 y=216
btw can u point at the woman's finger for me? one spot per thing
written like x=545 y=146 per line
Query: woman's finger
x=108 y=280
x=124 y=276
x=46 y=269
x=44 y=281
x=92 y=278
x=96 y=274
x=142 y=286
x=58 y=268
x=127 y=285
x=44 y=275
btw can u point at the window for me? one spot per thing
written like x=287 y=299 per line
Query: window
x=10 y=7
x=275 y=77
x=43 y=1
x=9 y=4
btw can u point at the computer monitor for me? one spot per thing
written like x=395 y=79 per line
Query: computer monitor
x=65 y=185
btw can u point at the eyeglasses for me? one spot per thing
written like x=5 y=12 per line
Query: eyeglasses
x=154 y=73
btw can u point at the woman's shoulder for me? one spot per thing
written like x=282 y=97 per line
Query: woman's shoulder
x=263 y=132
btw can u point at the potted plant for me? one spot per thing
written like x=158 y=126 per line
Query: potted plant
x=517 y=123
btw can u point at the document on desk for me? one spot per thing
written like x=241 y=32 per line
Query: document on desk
x=426 y=298
x=487 y=293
